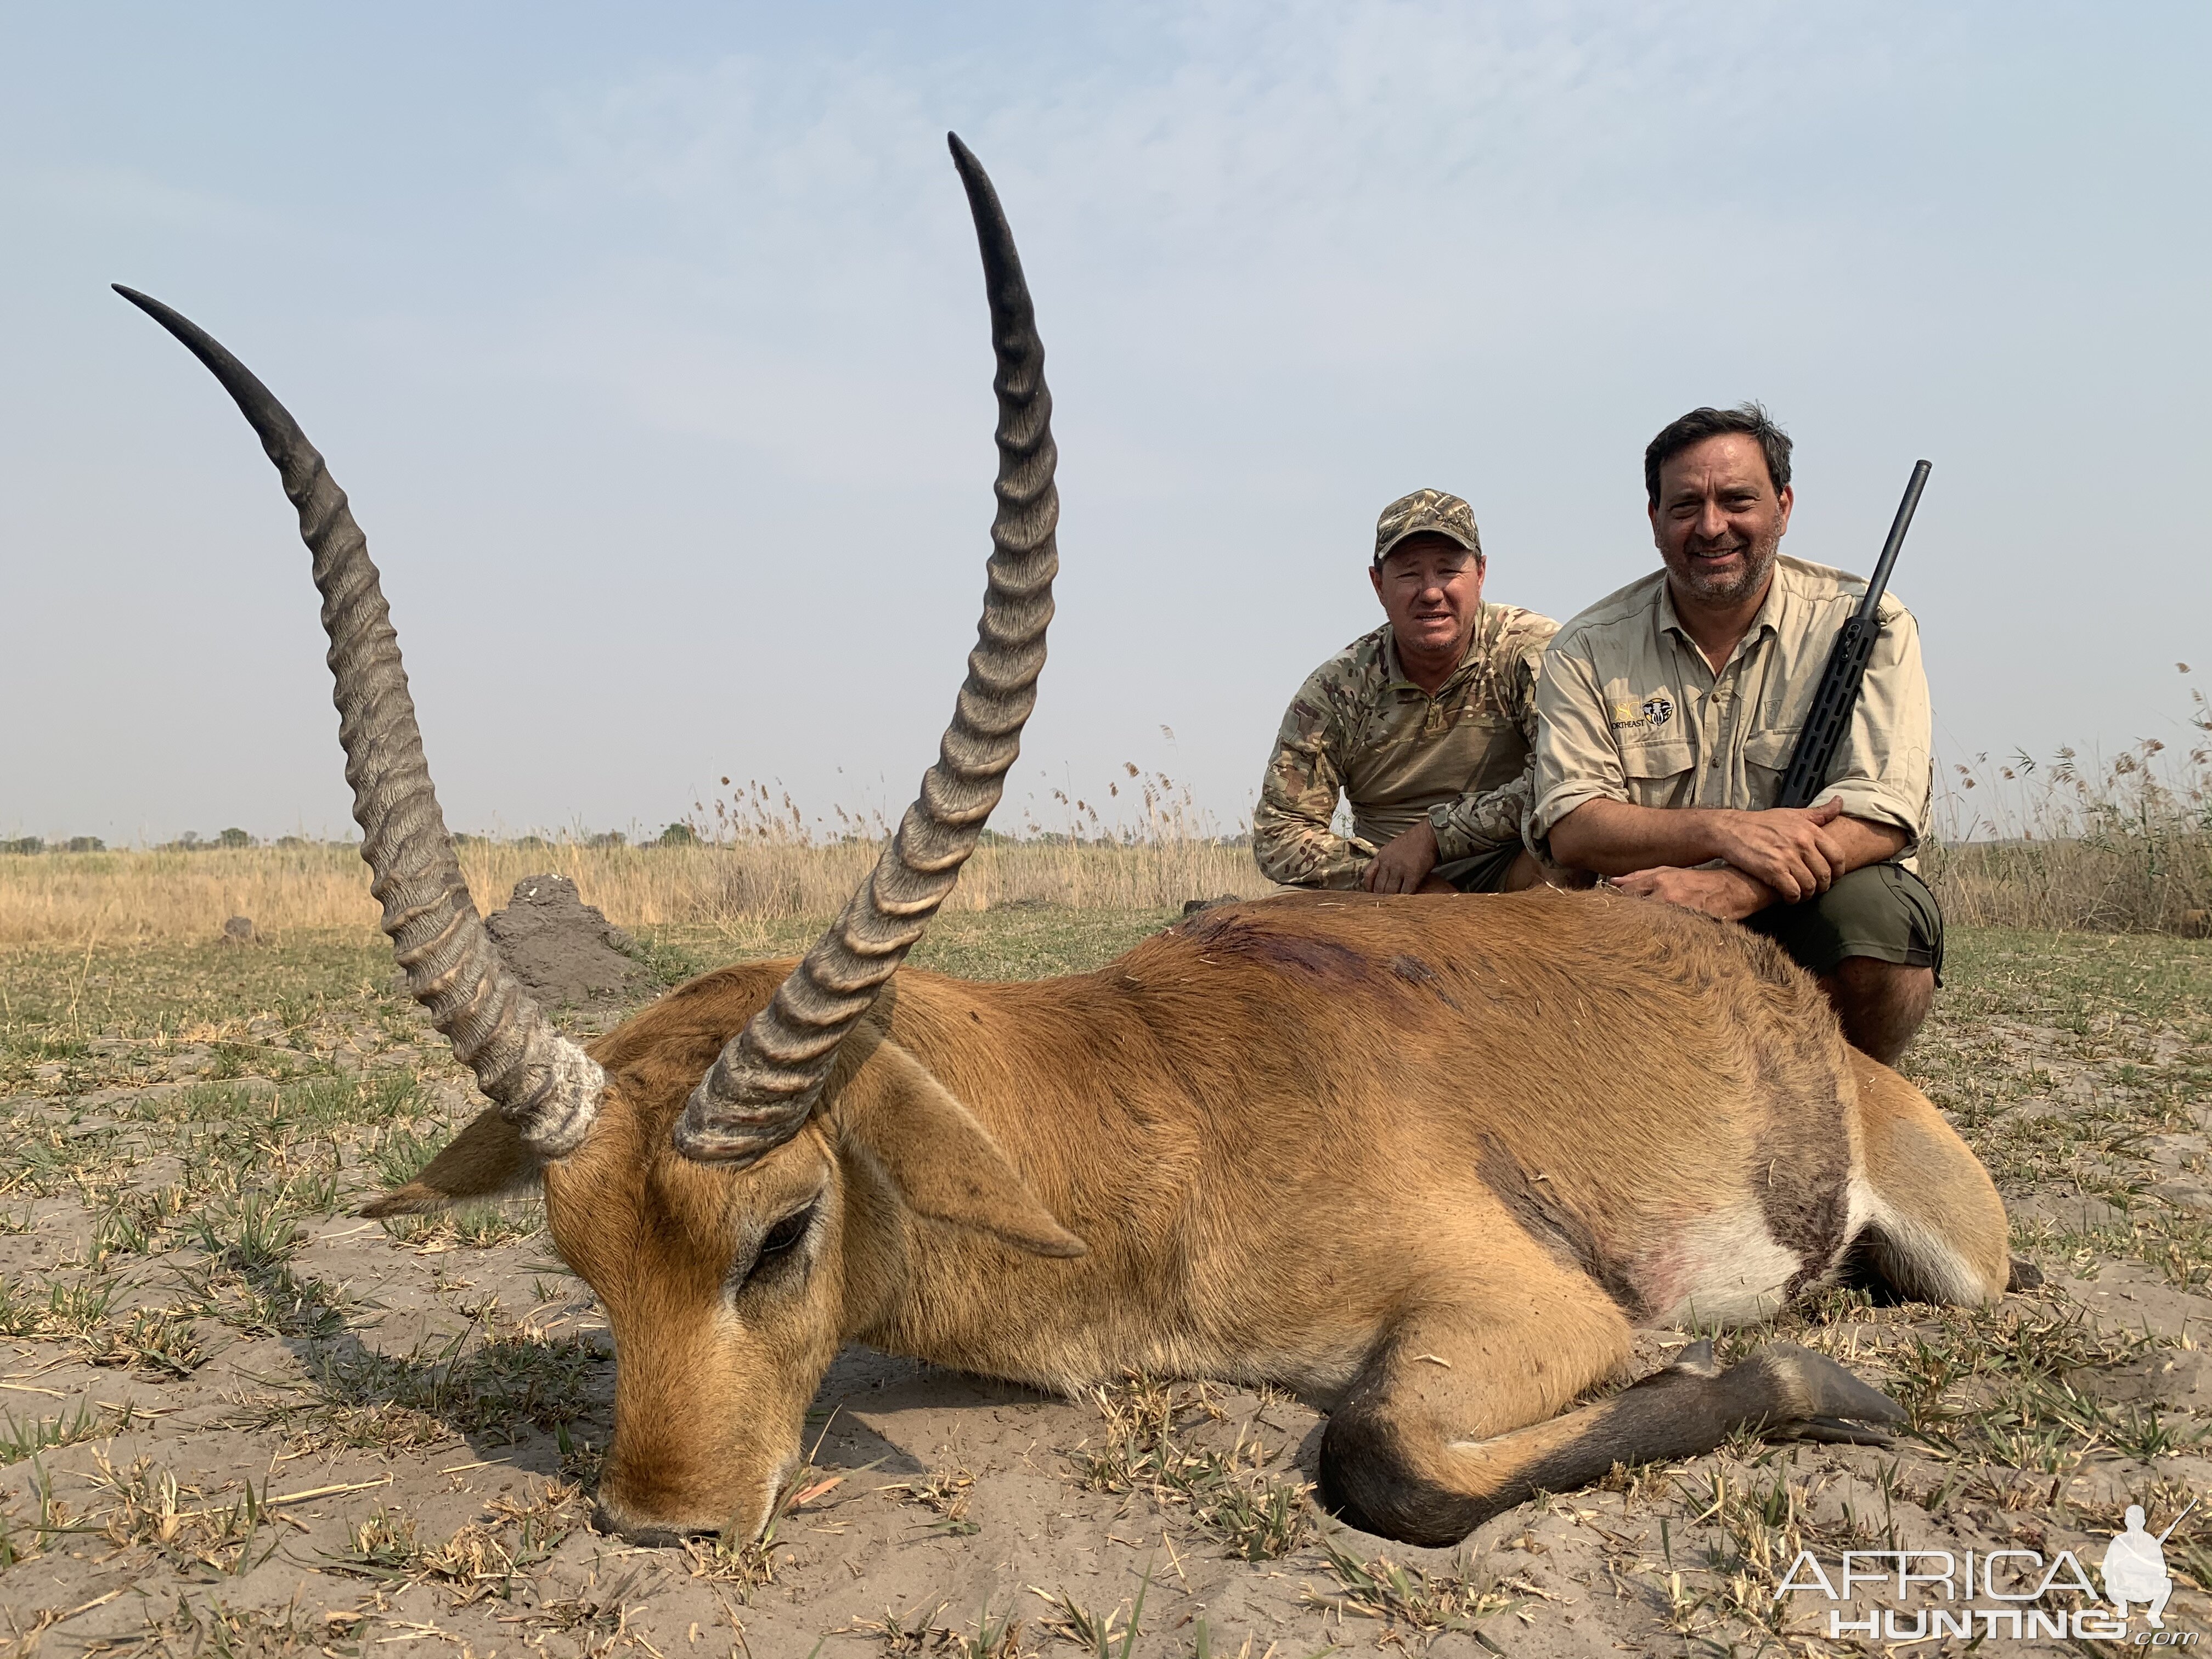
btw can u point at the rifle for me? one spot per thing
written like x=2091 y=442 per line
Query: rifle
x=1838 y=693
x=2176 y=1521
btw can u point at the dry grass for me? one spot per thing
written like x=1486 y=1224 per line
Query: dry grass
x=2072 y=844
x=739 y=863
x=2113 y=862
x=2076 y=843
x=1148 y=1445
x=85 y=896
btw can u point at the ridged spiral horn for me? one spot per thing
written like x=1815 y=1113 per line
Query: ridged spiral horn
x=759 y=1093
x=541 y=1081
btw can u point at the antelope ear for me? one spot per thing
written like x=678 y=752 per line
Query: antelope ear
x=943 y=1161
x=488 y=1159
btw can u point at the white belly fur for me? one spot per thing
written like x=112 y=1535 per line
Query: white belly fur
x=1726 y=1270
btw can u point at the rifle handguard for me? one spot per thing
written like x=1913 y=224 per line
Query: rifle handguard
x=1837 y=696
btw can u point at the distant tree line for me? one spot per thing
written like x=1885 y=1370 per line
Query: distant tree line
x=190 y=841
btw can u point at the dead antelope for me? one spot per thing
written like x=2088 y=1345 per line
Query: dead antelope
x=1429 y=1162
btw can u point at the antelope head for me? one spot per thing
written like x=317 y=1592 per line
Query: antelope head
x=733 y=1170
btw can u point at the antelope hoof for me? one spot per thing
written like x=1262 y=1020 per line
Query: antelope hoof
x=1696 y=1359
x=1816 y=1398
x=1834 y=1431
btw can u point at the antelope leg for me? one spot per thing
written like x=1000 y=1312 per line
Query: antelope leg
x=1452 y=1422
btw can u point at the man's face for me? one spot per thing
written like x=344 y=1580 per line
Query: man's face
x=1432 y=590
x=1719 y=522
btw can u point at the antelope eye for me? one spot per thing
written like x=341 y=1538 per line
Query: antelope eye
x=786 y=1233
x=776 y=1247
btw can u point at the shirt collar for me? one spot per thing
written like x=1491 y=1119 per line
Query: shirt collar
x=1394 y=671
x=1765 y=621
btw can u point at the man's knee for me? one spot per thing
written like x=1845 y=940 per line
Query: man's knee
x=1882 y=1004
x=1524 y=872
x=1877 y=986
x=1497 y=874
x=1874 y=978
x=1881 y=915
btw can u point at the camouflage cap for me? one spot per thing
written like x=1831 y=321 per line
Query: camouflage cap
x=1427 y=512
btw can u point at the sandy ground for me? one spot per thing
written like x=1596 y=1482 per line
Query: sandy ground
x=239 y=1420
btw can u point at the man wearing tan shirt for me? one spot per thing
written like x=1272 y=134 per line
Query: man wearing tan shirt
x=1667 y=713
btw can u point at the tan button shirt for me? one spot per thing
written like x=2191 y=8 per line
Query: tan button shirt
x=1359 y=727
x=1629 y=710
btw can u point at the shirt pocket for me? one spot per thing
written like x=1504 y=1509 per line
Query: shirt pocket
x=1658 y=774
x=1770 y=751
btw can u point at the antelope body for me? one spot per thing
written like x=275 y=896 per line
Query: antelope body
x=1429 y=1161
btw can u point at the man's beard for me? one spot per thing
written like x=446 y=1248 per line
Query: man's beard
x=1757 y=565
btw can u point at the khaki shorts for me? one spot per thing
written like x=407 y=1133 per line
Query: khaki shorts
x=1483 y=873
x=1880 y=910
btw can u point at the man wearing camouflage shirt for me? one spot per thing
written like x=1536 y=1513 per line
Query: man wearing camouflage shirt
x=1424 y=725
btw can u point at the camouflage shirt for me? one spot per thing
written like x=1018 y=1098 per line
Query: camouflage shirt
x=1358 y=726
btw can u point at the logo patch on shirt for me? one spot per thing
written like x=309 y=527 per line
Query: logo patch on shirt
x=1654 y=712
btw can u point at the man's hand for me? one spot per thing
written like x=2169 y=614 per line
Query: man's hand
x=1404 y=862
x=1790 y=848
x=1728 y=894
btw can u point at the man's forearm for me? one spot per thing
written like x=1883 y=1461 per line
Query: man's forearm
x=1613 y=838
x=1867 y=842
x=1299 y=853
x=1478 y=822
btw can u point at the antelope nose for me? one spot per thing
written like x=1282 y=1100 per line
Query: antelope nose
x=647 y=1534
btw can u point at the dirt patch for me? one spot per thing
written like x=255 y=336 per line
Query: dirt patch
x=566 y=952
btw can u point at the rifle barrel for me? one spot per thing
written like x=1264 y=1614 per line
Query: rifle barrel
x=1880 y=583
x=2176 y=1521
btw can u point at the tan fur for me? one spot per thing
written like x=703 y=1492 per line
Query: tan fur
x=1942 y=1227
x=935 y=1154
x=487 y=1159
x=1302 y=1141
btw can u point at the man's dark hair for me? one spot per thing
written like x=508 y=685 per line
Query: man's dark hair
x=1752 y=419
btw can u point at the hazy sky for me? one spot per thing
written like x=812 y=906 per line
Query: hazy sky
x=650 y=345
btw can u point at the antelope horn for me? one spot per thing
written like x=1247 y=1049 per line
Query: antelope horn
x=542 y=1082
x=758 y=1094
